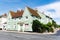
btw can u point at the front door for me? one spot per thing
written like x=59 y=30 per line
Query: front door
x=26 y=27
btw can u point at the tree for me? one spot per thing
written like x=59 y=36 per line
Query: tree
x=49 y=24
x=37 y=26
x=54 y=24
x=49 y=27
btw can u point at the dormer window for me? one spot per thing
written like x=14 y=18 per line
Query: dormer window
x=20 y=17
x=12 y=18
x=26 y=17
x=15 y=18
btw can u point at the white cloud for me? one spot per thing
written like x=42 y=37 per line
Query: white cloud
x=55 y=6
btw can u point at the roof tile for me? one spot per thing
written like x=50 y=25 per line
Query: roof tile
x=16 y=14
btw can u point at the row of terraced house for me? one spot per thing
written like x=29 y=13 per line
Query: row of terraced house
x=22 y=20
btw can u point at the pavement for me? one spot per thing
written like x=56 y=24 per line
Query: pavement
x=5 y=35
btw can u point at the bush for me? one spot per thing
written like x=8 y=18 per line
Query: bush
x=37 y=26
x=58 y=26
x=49 y=24
x=49 y=27
x=54 y=24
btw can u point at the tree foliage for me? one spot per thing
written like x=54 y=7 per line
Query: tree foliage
x=40 y=27
x=54 y=24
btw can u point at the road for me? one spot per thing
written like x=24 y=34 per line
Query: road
x=24 y=36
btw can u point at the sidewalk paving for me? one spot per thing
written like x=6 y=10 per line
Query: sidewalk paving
x=55 y=31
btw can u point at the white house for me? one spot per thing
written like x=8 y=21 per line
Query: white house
x=3 y=21
x=22 y=20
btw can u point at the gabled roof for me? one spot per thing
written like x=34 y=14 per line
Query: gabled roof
x=16 y=14
x=13 y=14
x=4 y=15
x=20 y=13
x=33 y=12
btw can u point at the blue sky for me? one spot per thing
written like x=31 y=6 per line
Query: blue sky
x=6 y=5
x=51 y=7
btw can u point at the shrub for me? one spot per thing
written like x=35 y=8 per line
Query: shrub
x=49 y=24
x=37 y=26
x=49 y=27
x=54 y=24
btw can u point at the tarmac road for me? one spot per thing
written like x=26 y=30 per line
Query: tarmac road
x=24 y=36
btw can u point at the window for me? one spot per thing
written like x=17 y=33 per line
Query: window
x=14 y=18
x=21 y=24
x=26 y=17
x=26 y=25
x=20 y=17
x=32 y=15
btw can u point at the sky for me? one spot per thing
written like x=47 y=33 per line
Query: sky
x=50 y=7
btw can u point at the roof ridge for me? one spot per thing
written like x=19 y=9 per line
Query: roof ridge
x=34 y=12
x=16 y=14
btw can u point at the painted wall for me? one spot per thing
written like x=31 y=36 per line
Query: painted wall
x=12 y=24
x=44 y=19
x=26 y=21
x=2 y=21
